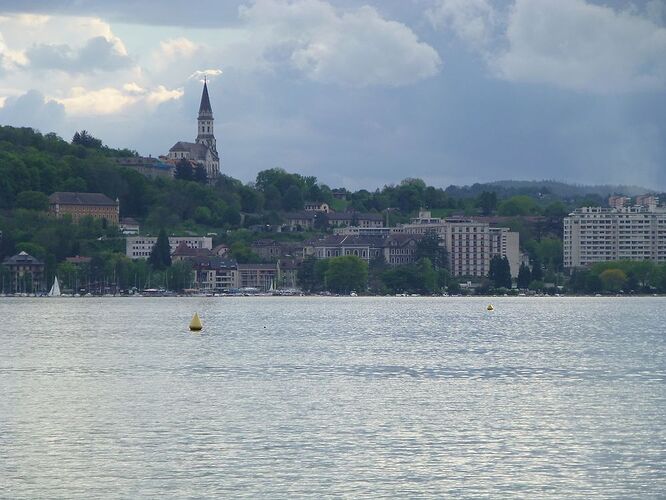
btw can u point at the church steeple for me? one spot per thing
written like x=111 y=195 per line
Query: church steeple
x=204 y=107
x=205 y=134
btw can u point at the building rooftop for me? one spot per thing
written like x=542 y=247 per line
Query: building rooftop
x=22 y=258
x=67 y=198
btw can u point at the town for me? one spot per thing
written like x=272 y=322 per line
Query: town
x=110 y=222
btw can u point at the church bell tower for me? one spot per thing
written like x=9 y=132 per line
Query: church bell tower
x=205 y=134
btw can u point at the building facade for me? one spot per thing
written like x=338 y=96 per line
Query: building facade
x=595 y=234
x=203 y=151
x=26 y=273
x=139 y=247
x=78 y=205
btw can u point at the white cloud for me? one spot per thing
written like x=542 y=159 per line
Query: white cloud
x=473 y=21
x=580 y=46
x=208 y=73
x=347 y=47
x=110 y=100
x=177 y=48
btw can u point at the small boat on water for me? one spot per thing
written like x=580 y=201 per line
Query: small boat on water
x=55 y=289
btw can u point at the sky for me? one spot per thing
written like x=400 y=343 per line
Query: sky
x=360 y=93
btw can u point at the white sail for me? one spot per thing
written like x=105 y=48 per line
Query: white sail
x=55 y=289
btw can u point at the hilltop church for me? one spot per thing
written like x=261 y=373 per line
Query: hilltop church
x=203 y=150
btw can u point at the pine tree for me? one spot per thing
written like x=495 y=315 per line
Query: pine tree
x=500 y=272
x=160 y=256
x=524 y=276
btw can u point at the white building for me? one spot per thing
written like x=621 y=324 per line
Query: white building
x=139 y=247
x=595 y=234
x=470 y=244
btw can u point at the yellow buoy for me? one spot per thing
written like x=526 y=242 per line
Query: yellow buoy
x=490 y=307
x=195 y=324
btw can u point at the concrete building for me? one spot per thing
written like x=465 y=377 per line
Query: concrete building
x=203 y=151
x=618 y=201
x=78 y=205
x=139 y=247
x=260 y=276
x=596 y=234
x=648 y=201
x=470 y=243
x=214 y=274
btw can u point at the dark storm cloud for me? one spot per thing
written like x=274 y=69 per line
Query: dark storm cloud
x=34 y=110
x=97 y=54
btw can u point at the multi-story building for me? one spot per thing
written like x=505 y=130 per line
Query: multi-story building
x=618 y=201
x=396 y=248
x=649 y=201
x=78 y=205
x=470 y=243
x=595 y=234
x=27 y=273
x=214 y=274
x=139 y=247
x=261 y=276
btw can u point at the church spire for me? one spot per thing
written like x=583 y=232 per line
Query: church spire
x=204 y=107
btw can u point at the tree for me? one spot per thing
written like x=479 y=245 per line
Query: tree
x=613 y=279
x=429 y=248
x=500 y=272
x=292 y=199
x=184 y=170
x=200 y=174
x=86 y=140
x=346 y=273
x=524 y=276
x=487 y=202
x=518 y=205
x=32 y=200
x=537 y=269
x=160 y=256
x=306 y=273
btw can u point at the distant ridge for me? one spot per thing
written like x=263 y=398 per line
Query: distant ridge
x=557 y=188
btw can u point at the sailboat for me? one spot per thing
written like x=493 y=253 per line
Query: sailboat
x=55 y=289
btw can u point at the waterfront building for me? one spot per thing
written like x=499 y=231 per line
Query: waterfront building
x=214 y=274
x=139 y=247
x=260 y=276
x=78 y=205
x=26 y=273
x=203 y=151
x=596 y=234
x=396 y=249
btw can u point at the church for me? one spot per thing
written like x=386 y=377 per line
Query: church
x=203 y=150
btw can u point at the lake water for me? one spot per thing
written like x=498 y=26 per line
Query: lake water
x=333 y=397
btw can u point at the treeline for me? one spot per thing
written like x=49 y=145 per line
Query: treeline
x=619 y=276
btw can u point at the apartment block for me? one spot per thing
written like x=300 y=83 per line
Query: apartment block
x=595 y=234
x=139 y=247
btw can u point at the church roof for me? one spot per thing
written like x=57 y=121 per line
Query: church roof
x=204 y=107
x=197 y=150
